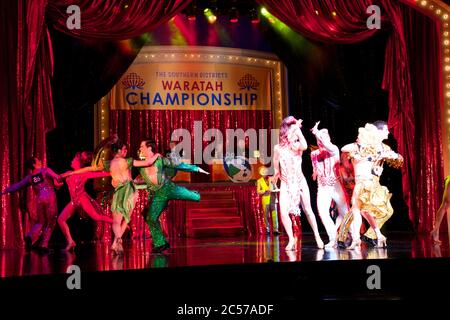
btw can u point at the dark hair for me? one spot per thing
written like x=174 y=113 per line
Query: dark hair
x=380 y=124
x=116 y=146
x=85 y=158
x=285 y=125
x=30 y=162
x=150 y=143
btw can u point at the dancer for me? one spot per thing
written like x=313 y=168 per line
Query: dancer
x=325 y=162
x=43 y=181
x=294 y=188
x=80 y=200
x=162 y=189
x=441 y=212
x=124 y=196
x=369 y=198
x=269 y=199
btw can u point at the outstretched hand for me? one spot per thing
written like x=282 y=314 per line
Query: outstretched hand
x=202 y=171
x=315 y=129
x=64 y=175
x=299 y=122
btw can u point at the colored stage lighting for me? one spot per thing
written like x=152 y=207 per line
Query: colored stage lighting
x=254 y=16
x=234 y=15
x=191 y=12
x=264 y=12
x=210 y=16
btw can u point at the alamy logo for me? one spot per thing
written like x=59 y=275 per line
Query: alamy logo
x=74 y=20
x=374 y=20
x=133 y=81
x=74 y=280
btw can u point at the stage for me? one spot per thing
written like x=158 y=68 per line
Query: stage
x=254 y=268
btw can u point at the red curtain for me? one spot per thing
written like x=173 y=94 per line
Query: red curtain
x=27 y=64
x=425 y=64
x=114 y=19
x=344 y=21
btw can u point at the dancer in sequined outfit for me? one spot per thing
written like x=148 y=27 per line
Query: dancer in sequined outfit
x=326 y=162
x=161 y=190
x=370 y=199
x=294 y=188
x=79 y=199
x=124 y=197
x=43 y=181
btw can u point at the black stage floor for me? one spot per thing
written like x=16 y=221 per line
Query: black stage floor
x=239 y=270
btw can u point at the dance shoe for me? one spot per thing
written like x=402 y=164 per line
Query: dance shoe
x=162 y=248
x=369 y=241
x=434 y=234
x=381 y=242
x=319 y=243
x=70 y=247
x=354 y=244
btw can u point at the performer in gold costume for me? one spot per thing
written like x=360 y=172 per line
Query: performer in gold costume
x=370 y=199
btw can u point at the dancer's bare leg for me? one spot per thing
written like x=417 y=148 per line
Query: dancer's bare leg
x=92 y=213
x=68 y=212
x=341 y=203
x=445 y=205
x=306 y=204
x=286 y=220
x=323 y=206
x=117 y=230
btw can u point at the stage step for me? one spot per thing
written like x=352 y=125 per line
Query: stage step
x=216 y=222
x=217 y=195
x=219 y=203
x=212 y=212
x=216 y=215
x=217 y=232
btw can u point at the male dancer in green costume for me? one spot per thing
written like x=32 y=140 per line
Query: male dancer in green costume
x=162 y=189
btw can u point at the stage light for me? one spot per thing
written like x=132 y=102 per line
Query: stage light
x=254 y=16
x=210 y=16
x=424 y=3
x=191 y=12
x=334 y=14
x=264 y=12
x=233 y=15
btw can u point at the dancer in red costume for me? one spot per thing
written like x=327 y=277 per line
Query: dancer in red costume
x=79 y=199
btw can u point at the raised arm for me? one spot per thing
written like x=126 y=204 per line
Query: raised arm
x=348 y=148
x=98 y=168
x=18 y=185
x=94 y=175
x=146 y=162
x=326 y=143
x=276 y=163
x=56 y=178
x=301 y=138
x=189 y=168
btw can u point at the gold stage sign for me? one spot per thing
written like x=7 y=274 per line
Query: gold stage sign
x=194 y=85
